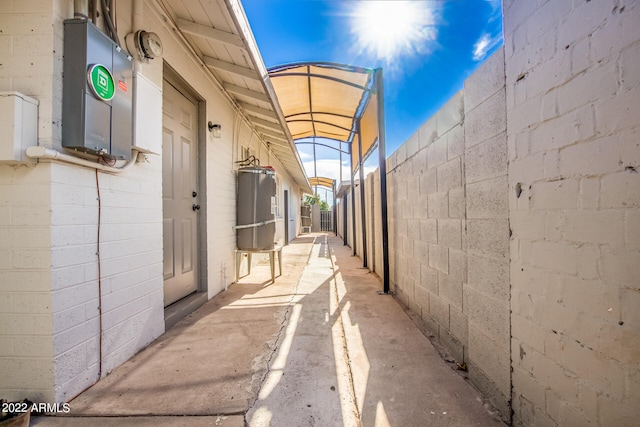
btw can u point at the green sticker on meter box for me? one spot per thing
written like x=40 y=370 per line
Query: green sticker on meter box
x=101 y=82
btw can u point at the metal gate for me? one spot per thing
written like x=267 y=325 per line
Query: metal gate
x=326 y=220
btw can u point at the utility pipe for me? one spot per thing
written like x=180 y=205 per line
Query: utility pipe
x=81 y=9
x=136 y=24
x=43 y=153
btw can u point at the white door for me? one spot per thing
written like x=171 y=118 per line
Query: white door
x=179 y=194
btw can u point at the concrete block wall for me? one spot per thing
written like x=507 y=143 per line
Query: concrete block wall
x=572 y=112
x=26 y=320
x=220 y=175
x=315 y=217
x=371 y=187
x=374 y=220
x=546 y=254
x=49 y=285
x=130 y=276
x=31 y=55
x=49 y=278
x=357 y=240
x=486 y=288
x=449 y=232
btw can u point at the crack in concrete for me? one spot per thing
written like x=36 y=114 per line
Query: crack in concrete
x=274 y=344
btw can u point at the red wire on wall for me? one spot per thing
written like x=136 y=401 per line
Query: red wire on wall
x=99 y=276
x=99 y=291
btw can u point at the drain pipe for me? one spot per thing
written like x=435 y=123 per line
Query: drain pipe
x=132 y=40
x=136 y=22
x=136 y=25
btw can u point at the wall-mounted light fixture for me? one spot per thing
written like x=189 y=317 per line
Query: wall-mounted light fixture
x=215 y=129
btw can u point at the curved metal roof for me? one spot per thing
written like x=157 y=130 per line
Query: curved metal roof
x=322 y=99
x=322 y=181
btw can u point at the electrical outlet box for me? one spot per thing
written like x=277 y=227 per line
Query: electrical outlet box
x=97 y=113
x=18 y=126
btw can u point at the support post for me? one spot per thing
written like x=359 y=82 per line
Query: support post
x=383 y=179
x=345 y=219
x=363 y=214
x=315 y=171
x=335 y=212
x=353 y=202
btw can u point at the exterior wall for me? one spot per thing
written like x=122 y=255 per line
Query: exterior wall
x=30 y=33
x=572 y=73
x=50 y=277
x=486 y=284
x=341 y=207
x=514 y=217
x=57 y=240
x=315 y=217
x=358 y=236
x=340 y=213
x=129 y=275
x=374 y=222
x=449 y=229
x=26 y=320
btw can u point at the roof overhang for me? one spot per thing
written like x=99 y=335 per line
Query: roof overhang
x=219 y=33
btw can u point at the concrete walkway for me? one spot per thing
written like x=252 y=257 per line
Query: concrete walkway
x=319 y=347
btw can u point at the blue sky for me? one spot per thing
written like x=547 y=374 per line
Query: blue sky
x=427 y=48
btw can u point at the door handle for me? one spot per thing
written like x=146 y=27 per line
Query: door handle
x=195 y=207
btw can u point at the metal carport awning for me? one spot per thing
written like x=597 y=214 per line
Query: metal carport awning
x=339 y=102
x=321 y=99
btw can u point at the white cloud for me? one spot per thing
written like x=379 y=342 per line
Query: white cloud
x=496 y=9
x=329 y=168
x=484 y=44
x=328 y=162
x=304 y=155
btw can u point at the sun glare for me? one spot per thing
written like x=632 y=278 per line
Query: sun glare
x=388 y=29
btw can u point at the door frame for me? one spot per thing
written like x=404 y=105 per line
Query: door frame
x=185 y=306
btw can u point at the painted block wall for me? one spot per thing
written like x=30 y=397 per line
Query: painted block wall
x=549 y=250
x=130 y=276
x=30 y=53
x=220 y=154
x=486 y=304
x=374 y=222
x=573 y=85
x=49 y=329
x=26 y=320
x=59 y=242
x=449 y=234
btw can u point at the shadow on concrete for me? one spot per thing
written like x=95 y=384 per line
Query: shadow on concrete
x=399 y=378
x=318 y=347
x=353 y=357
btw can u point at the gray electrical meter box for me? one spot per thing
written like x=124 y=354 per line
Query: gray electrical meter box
x=97 y=92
